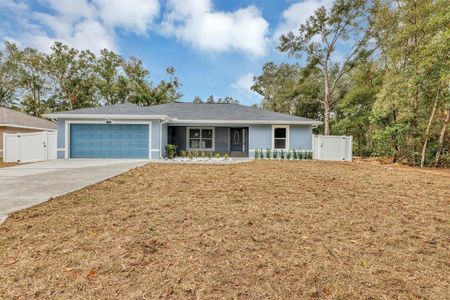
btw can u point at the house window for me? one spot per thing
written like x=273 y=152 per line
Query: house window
x=200 y=138
x=280 y=137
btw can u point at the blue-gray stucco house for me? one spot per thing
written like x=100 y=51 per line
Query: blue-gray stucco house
x=132 y=131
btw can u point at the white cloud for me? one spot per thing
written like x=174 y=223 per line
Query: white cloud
x=244 y=83
x=91 y=34
x=133 y=15
x=243 y=87
x=58 y=25
x=198 y=24
x=13 y=6
x=73 y=10
x=81 y=24
x=297 y=14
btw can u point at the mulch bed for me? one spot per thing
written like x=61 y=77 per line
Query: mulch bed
x=260 y=230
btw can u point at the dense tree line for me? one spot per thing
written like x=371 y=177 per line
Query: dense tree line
x=211 y=100
x=67 y=78
x=390 y=89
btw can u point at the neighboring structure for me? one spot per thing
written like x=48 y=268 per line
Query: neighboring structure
x=12 y=121
x=132 y=131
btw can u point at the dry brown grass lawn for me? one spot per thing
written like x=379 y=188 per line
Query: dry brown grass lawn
x=279 y=230
x=5 y=164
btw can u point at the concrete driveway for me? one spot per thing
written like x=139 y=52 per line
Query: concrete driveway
x=27 y=185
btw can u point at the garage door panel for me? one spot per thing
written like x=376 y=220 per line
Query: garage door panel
x=109 y=141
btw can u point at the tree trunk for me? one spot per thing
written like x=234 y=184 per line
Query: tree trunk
x=427 y=131
x=396 y=148
x=326 y=123
x=441 y=138
x=413 y=131
x=326 y=103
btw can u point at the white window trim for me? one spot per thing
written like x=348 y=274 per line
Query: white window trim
x=287 y=127
x=201 y=149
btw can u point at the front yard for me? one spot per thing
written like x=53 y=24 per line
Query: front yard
x=6 y=164
x=265 y=229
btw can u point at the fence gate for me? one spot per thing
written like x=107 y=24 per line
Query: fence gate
x=332 y=147
x=29 y=147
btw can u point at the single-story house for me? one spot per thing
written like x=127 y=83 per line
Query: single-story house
x=12 y=121
x=132 y=131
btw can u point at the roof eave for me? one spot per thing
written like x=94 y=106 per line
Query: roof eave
x=178 y=121
x=27 y=126
x=266 y=122
x=105 y=116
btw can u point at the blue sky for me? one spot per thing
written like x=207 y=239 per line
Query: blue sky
x=216 y=46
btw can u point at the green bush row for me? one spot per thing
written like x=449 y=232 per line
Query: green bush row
x=290 y=154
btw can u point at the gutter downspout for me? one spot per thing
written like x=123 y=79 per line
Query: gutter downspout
x=160 y=137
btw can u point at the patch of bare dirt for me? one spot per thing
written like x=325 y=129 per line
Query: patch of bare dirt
x=266 y=229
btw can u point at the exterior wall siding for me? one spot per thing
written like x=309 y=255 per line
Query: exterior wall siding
x=259 y=137
x=300 y=137
x=61 y=139
x=164 y=140
x=155 y=143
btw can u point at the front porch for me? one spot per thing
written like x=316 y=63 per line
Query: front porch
x=229 y=140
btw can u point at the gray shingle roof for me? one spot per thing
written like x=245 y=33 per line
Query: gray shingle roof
x=11 y=117
x=190 y=111
x=116 y=109
x=234 y=112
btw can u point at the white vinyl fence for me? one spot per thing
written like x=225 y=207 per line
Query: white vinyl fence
x=332 y=147
x=29 y=147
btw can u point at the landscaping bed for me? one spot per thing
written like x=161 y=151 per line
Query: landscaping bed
x=264 y=229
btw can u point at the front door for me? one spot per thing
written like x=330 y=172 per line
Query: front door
x=238 y=141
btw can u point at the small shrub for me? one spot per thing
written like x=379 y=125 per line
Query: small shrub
x=195 y=153
x=171 y=150
x=261 y=154
x=294 y=154
x=275 y=154
x=203 y=154
x=444 y=160
x=190 y=154
x=310 y=155
x=300 y=154
x=282 y=154
x=217 y=155
x=183 y=154
x=268 y=153
x=209 y=155
x=225 y=156
x=256 y=154
x=288 y=155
